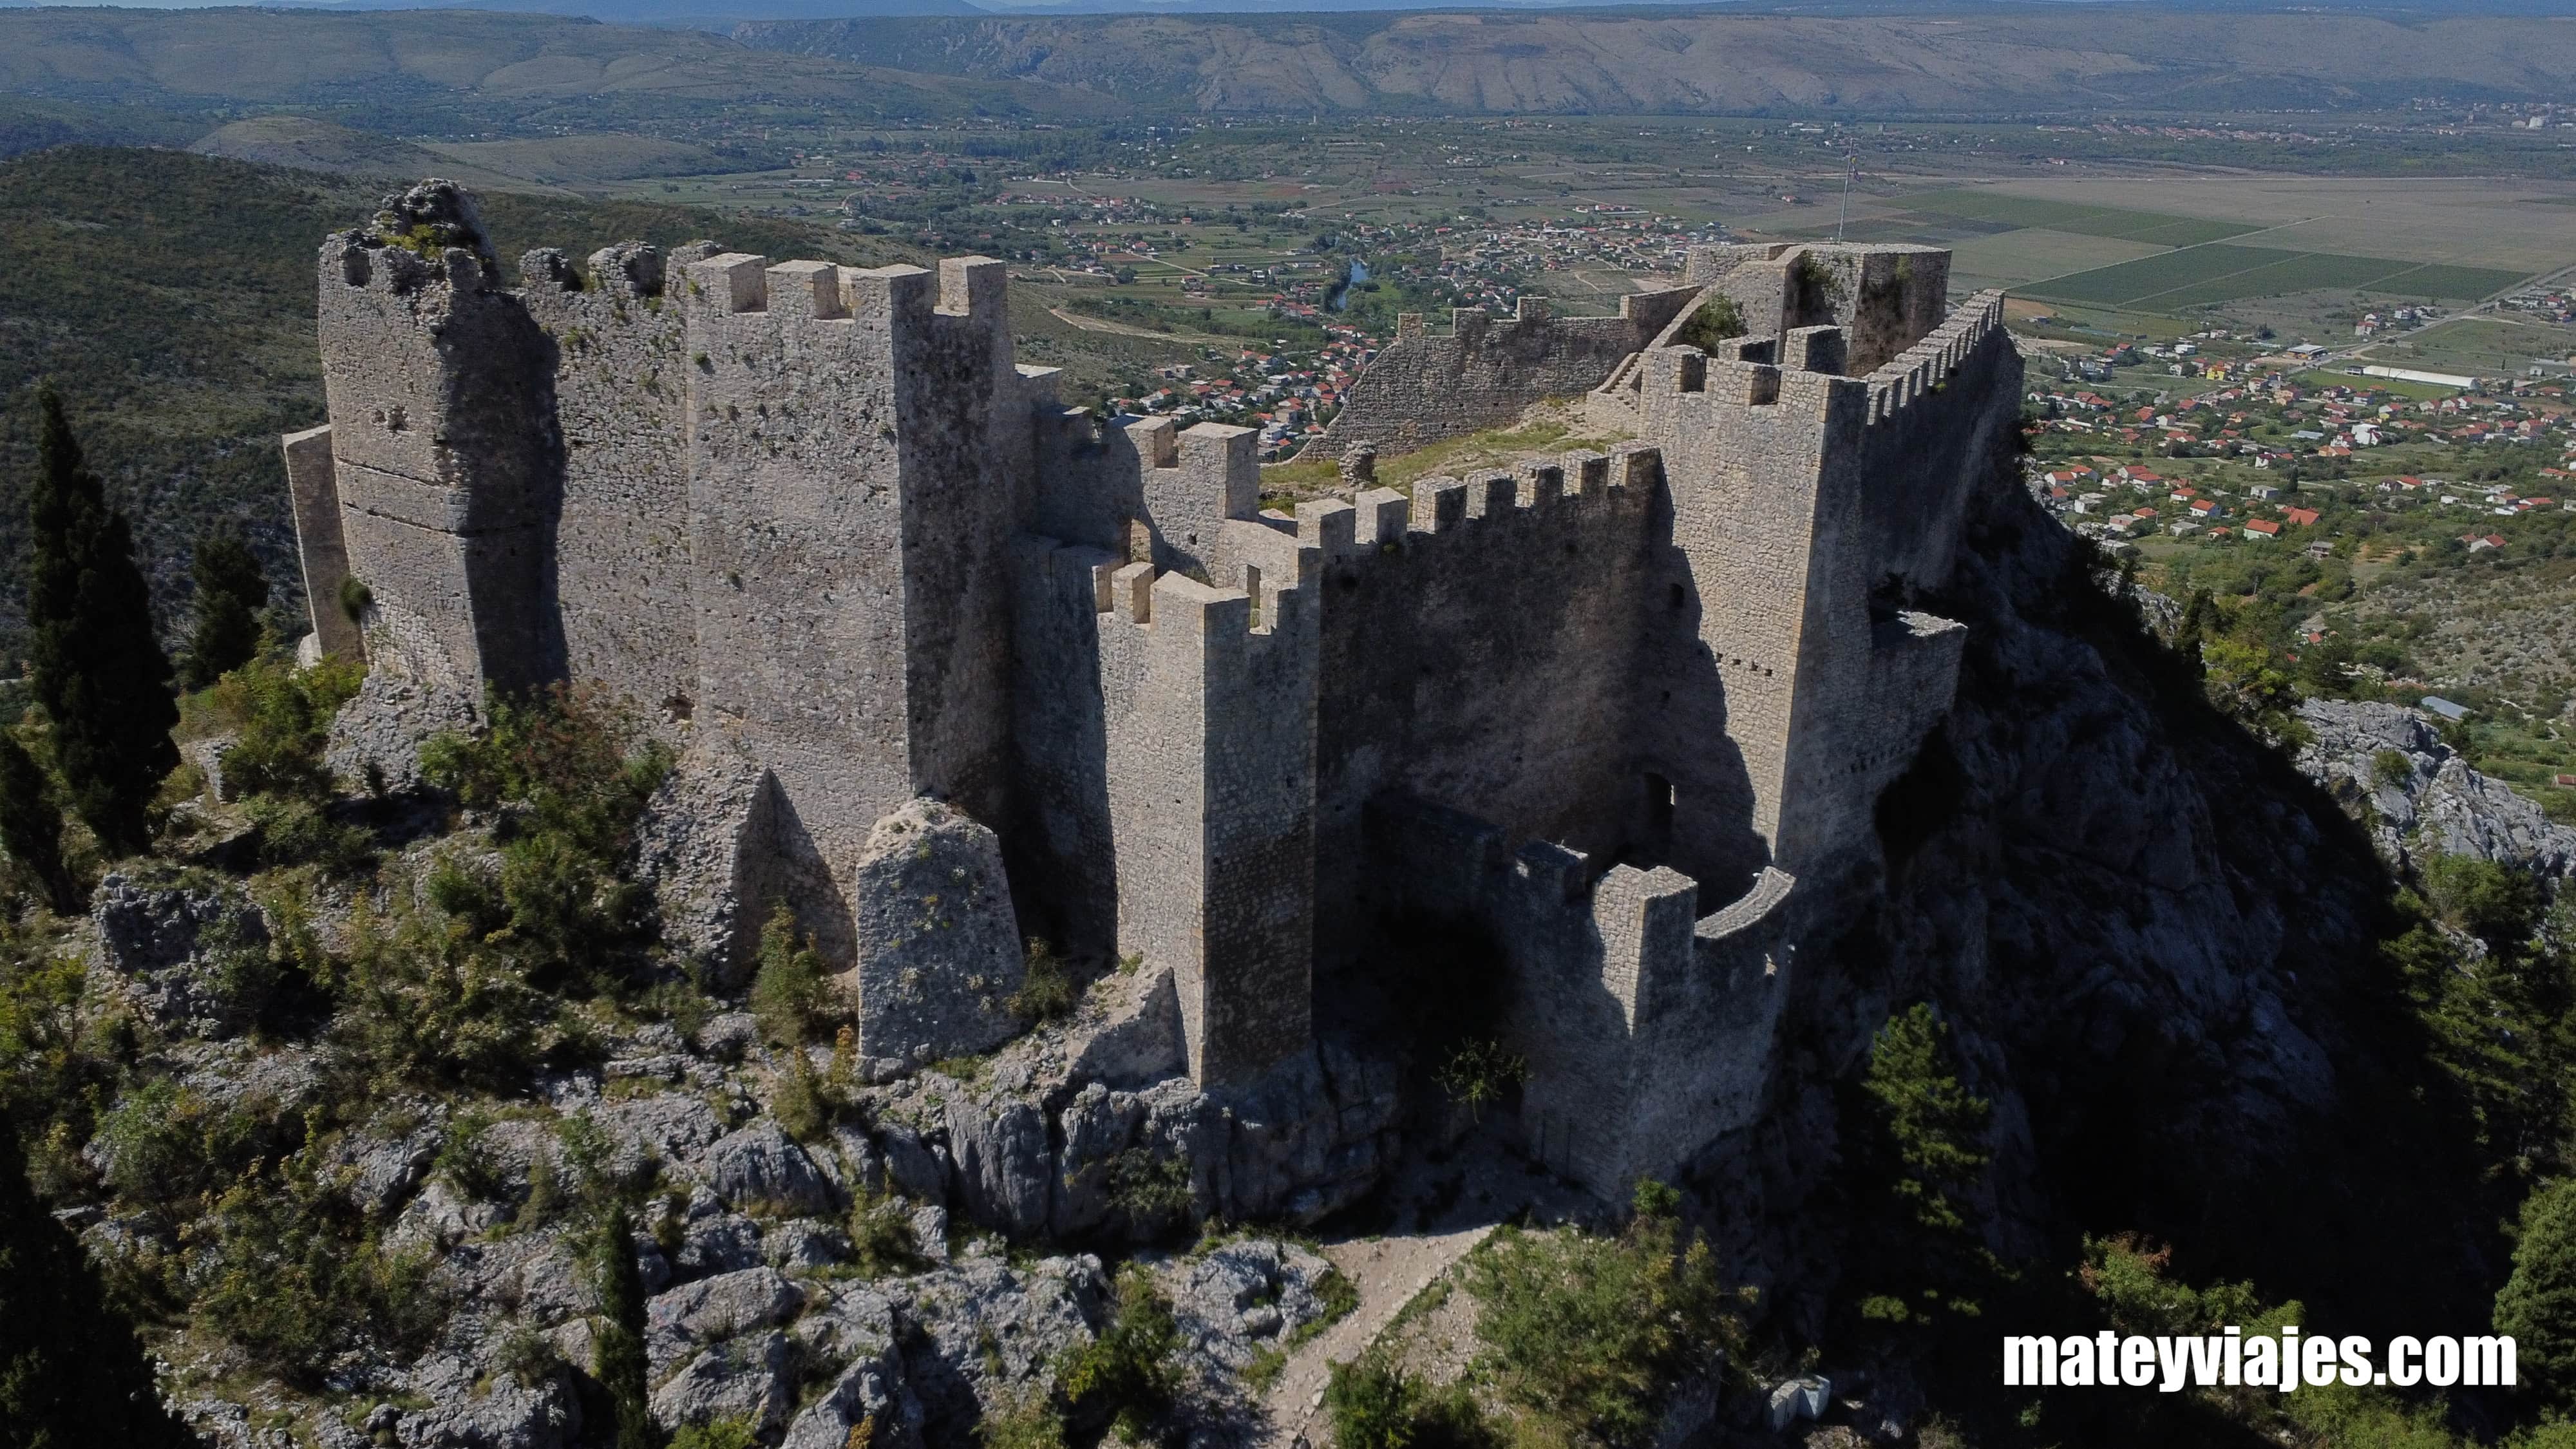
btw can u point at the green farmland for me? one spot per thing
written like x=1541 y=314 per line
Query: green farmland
x=2220 y=272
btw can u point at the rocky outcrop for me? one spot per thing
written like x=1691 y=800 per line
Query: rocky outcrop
x=190 y=957
x=696 y=848
x=376 y=737
x=2387 y=764
x=938 y=945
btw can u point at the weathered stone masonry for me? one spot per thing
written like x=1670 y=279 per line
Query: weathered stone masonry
x=918 y=626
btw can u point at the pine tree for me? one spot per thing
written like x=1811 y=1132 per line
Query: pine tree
x=31 y=824
x=71 y=1372
x=2537 y=1305
x=231 y=590
x=96 y=667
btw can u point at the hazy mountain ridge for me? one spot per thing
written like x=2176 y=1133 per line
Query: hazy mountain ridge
x=1575 y=61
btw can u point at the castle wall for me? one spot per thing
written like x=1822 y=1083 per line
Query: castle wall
x=963 y=422
x=446 y=459
x=1882 y=295
x=320 y=546
x=1647 y=1034
x=796 y=554
x=1420 y=388
x=1479 y=649
x=1209 y=727
x=622 y=577
x=1942 y=418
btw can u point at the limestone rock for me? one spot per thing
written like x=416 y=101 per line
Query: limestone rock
x=467 y=1411
x=1244 y=1297
x=684 y=1319
x=760 y=1166
x=192 y=959
x=2420 y=795
x=751 y=1379
x=939 y=952
x=376 y=737
x=696 y=847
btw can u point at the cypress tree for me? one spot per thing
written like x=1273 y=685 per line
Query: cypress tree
x=71 y=1371
x=96 y=667
x=231 y=590
x=31 y=824
x=620 y=1362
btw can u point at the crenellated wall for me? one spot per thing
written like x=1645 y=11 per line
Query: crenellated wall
x=1538 y=584
x=1647 y=1033
x=1209 y=722
x=623 y=582
x=818 y=524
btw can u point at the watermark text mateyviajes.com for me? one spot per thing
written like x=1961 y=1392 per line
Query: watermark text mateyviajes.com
x=2233 y=1358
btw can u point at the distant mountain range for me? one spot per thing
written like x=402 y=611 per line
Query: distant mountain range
x=466 y=72
x=716 y=14
x=1650 y=61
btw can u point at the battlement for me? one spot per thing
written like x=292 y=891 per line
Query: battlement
x=735 y=283
x=1925 y=366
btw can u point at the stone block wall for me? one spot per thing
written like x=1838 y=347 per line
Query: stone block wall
x=320 y=545
x=446 y=460
x=858 y=453
x=1648 y=1034
x=1882 y=295
x=623 y=582
x=1421 y=388
x=1481 y=645
x=1209 y=760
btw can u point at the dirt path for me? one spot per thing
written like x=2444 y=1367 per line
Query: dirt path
x=1388 y=1272
x=1072 y=318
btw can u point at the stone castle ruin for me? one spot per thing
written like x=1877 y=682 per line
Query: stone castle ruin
x=953 y=664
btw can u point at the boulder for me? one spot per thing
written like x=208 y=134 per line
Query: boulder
x=751 y=1379
x=938 y=947
x=191 y=958
x=761 y=1168
x=683 y=1320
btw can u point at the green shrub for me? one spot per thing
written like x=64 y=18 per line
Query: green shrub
x=788 y=993
x=1129 y=1374
x=280 y=717
x=166 y=1143
x=355 y=598
x=620 y=1364
x=429 y=998
x=1588 y=1333
x=1371 y=1402
x=1047 y=990
x=231 y=590
x=718 y=1434
x=1030 y=1422
x=1478 y=1073
x=293 y=831
x=527 y=1357
x=1717 y=320
x=296 y=1277
x=881 y=1237
x=1150 y=1189
x=2392 y=767
x=2538 y=1303
x=1937 y=1127
x=568 y=774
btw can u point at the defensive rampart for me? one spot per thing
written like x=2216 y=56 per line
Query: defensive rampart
x=1597 y=709
x=1421 y=388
